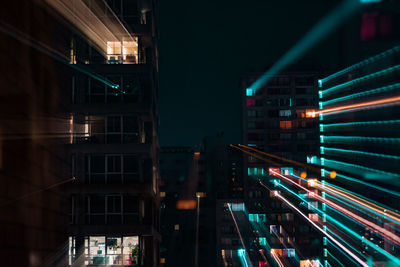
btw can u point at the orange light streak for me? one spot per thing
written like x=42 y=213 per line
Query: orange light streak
x=381 y=210
x=394 y=238
x=281 y=158
x=256 y=156
x=373 y=103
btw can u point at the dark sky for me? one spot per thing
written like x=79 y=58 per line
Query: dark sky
x=207 y=46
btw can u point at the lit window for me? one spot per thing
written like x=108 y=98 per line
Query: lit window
x=285 y=124
x=249 y=92
x=313 y=217
x=285 y=113
x=123 y=52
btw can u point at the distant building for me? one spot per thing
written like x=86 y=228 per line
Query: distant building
x=279 y=119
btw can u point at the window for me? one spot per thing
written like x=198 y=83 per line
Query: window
x=285 y=136
x=250 y=102
x=123 y=52
x=104 y=250
x=111 y=169
x=285 y=113
x=257 y=218
x=376 y=26
x=114 y=173
x=285 y=124
x=251 y=113
x=130 y=209
x=249 y=92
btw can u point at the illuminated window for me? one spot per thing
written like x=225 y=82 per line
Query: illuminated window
x=123 y=52
x=313 y=217
x=285 y=124
x=285 y=113
x=237 y=206
x=249 y=92
x=257 y=218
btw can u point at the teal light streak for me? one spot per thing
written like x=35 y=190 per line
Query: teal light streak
x=360 y=210
x=330 y=242
x=323 y=28
x=372 y=245
x=345 y=242
x=357 y=95
x=363 y=183
x=333 y=257
x=326 y=149
x=323 y=126
x=370 y=1
x=330 y=163
x=53 y=55
x=340 y=87
x=358 y=139
x=364 y=62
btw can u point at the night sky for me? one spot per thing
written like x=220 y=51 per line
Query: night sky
x=207 y=46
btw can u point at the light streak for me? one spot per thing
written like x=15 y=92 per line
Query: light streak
x=366 y=184
x=55 y=55
x=362 y=63
x=281 y=158
x=335 y=164
x=256 y=156
x=384 y=212
x=323 y=126
x=367 y=213
x=383 y=232
x=326 y=149
x=358 y=139
x=343 y=86
x=361 y=106
x=372 y=245
x=360 y=261
x=333 y=257
x=276 y=258
x=327 y=24
x=365 y=93
x=240 y=235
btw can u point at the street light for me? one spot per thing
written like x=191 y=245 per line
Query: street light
x=196 y=252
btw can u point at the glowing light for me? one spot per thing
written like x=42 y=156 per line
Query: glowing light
x=358 y=139
x=249 y=92
x=186 y=204
x=325 y=149
x=277 y=157
x=364 y=62
x=312 y=182
x=345 y=85
x=364 y=93
x=327 y=24
x=360 y=261
x=303 y=175
x=244 y=251
x=332 y=175
x=375 y=247
x=71 y=129
x=367 y=184
x=359 y=106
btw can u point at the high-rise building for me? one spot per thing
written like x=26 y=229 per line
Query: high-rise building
x=279 y=119
x=114 y=199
